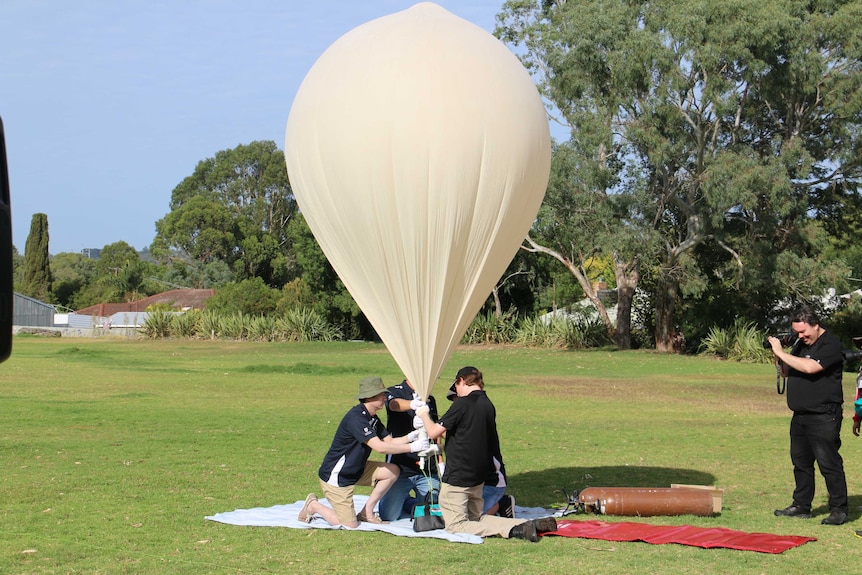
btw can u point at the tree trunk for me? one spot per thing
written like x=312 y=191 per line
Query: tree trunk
x=667 y=340
x=585 y=283
x=498 y=306
x=627 y=276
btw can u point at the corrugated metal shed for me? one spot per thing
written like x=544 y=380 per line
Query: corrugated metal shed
x=30 y=312
x=128 y=319
x=78 y=321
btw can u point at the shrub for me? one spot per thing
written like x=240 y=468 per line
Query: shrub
x=263 y=328
x=718 y=342
x=157 y=325
x=250 y=297
x=741 y=342
x=185 y=324
x=234 y=326
x=208 y=325
x=570 y=331
x=305 y=324
x=489 y=328
x=537 y=332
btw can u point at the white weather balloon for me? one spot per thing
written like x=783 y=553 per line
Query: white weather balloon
x=419 y=152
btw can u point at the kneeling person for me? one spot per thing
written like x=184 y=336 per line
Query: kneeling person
x=346 y=463
x=471 y=441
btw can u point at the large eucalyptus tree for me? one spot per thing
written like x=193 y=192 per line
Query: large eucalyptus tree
x=694 y=122
x=234 y=208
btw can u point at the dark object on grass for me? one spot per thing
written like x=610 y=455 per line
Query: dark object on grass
x=650 y=501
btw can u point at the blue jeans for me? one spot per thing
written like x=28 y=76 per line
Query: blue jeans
x=397 y=502
x=492 y=496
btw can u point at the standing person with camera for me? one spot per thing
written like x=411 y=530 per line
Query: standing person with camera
x=814 y=394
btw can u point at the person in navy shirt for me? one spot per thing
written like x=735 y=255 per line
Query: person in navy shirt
x=346 y=463
x=398 y=503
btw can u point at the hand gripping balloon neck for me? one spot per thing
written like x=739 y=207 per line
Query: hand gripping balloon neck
x=432 y=449
x=417 y=422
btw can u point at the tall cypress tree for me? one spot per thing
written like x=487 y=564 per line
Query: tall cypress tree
x=37 y=280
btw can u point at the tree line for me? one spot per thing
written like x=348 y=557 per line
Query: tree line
x=711 y=176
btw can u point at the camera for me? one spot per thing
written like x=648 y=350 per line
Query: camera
x=851 y=355
x=786 y=339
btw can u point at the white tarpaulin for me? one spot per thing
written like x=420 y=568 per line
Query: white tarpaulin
x=418 y=149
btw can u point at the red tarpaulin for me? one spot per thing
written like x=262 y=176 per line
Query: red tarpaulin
x=706 y=537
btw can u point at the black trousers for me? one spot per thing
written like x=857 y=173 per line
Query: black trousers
x=817 y=437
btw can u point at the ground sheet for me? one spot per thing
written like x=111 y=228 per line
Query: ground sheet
x=286 y=516
x=707 y=537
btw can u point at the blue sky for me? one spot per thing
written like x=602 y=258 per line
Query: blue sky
x=108 y=105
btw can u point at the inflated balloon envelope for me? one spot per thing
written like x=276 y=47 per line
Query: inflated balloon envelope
x=418 y=149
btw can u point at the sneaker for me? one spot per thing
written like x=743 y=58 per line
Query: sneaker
x=794 y=511
x=375 y=518
x=507 y=506
x=304 y=514
x=858 y=533
x=545 y=524
x=835 y=518
x=525 y=530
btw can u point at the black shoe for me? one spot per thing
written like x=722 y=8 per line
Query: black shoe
x=545 y=524
x=858 y=533
x=835 y=518
x=525 y=530
x=506 y=506
x=793 y=511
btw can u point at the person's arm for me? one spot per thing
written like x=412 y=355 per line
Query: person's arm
x=397 y=445
x=410 y=437
x=399 y=404
x=801 y=364
x=434 y=430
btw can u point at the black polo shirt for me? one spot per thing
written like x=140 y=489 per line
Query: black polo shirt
x=400 y=423
x=471 y=440
x=817 y=392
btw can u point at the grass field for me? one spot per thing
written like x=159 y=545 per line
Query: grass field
x=112 y=452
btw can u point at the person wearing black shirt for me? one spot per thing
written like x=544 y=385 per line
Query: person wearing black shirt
x=814 y=394
x=471 y=441
x=397 y=502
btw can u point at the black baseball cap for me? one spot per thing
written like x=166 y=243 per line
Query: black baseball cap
x=464 y=372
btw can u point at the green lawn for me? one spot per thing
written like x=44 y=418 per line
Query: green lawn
x=112 y=452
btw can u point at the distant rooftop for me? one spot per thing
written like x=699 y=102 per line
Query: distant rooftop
x=178 y=299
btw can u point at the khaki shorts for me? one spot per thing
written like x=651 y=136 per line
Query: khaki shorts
x=341 y=498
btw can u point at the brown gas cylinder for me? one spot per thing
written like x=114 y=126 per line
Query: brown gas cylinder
x=646 y=501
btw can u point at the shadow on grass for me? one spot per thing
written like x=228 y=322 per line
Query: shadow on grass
x=854 y=508
x=548 y=487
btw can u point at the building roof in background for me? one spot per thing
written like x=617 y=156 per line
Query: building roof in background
x=180 y=299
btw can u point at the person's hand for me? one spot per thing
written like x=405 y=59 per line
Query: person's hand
x=775 y=344
x=856 y=425
x=422 y=410
x=421 y=444
x=413 y=436
x=416 y=404
x=417 y=422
